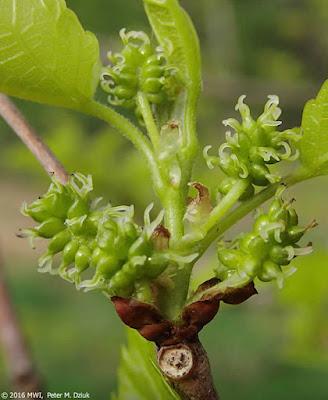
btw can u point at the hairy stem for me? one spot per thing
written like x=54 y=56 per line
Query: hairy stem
x=172 y=299
x=148 y=117
x=185 y=113
x=23 y=374
x=173 y=203
x=226 y=203
x=190 y=135
x=248 y=206
x=16 y=120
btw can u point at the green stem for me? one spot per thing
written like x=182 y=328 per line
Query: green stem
x=190 y=135
x=174 y=199
x=226 y=203
x=174 y=205
x=173 y=299
x=248 y=206
x=131 y=132
x=148 y=117
x=185 y=113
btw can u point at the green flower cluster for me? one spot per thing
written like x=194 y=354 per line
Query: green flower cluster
x=253 y=147
x=125 y=258
x=138 y=68
x=262 y=253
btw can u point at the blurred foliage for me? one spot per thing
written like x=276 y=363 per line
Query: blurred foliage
x=76 y=342
x=305 y=299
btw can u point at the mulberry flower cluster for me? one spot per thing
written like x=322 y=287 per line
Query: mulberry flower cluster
x=265 y=252
x=253 y=146
x=124 y=258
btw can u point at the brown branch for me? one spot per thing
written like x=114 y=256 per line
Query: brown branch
x=187 y=368
x=23 y=374
x=16 y=120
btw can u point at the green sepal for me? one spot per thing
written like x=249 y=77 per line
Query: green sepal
x=50 y=227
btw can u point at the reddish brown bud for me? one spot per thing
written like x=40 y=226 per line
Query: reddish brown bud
x=203 y=192
x=148 y=320
x=143 y=317
x=156 y=332
x=200 y=313
x=199 y=206
x=136 y=314
x=161 y=238
x=237 y=296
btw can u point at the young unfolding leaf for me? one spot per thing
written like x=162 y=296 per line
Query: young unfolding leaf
x=314 y=144
x=139 y=377
x=176 y=35
x=45 y=54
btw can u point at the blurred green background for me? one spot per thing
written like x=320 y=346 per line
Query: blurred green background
x=275 y=345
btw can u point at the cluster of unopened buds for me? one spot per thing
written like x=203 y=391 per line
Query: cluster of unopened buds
x=139 y=67
x=254 y=146
x=265 y=252
x=125 y=257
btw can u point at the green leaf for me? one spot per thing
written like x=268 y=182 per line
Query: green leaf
x=314 y=143
x=139 y=377
x=45 y=54
x=177 y=36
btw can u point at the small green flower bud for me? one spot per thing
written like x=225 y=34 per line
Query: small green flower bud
x=82 y=258
x=278 y=211
x=229 y=257
x=59 y=241
x=270 y=271
x=294 y=234
x=140 y=247
x=69 y=251
x=76 y=225
x=261 y=224
x=97 y=254
x=121 y=280
x=37 y=210
x=292 y=217
x=280 y=255
x=50 y=227
x=106 y=240
x=79 y=208
x=129 y=230
x=259 y=174
x=250 y=266
x=107 y=266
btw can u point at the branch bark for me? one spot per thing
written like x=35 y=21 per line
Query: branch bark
x=23 y=374
x=16 y=120
x=187 y=368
